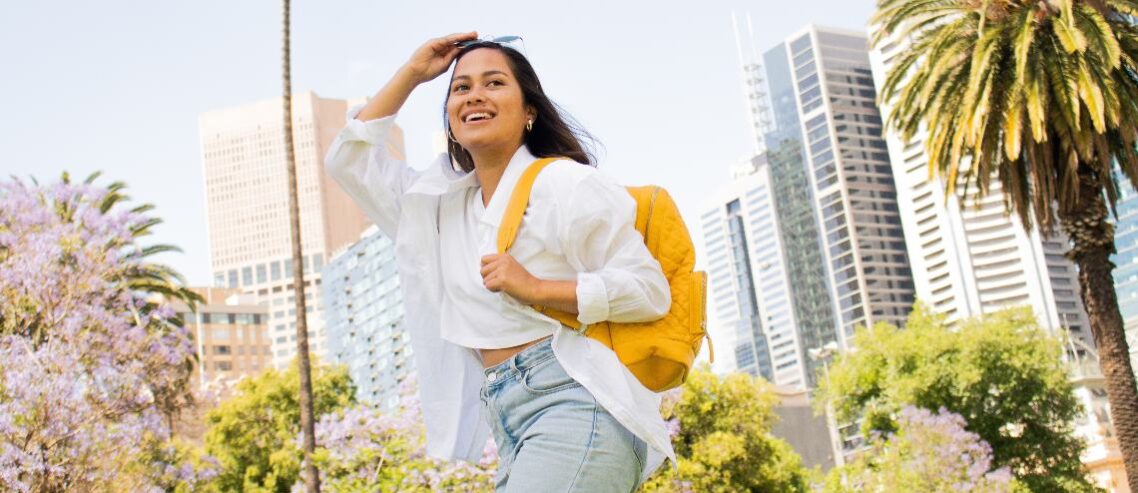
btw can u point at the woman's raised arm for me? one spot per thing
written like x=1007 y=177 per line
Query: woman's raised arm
x=428 y=62
x=361 y=158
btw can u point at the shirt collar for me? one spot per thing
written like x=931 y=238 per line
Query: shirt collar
x=492 y=216
x=443 y=179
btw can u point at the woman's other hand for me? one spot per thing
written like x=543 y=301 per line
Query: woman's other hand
x=501 y=273
x=434 y=57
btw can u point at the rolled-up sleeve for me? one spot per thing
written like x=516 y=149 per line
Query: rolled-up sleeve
x=618 y=279
x=362 y=159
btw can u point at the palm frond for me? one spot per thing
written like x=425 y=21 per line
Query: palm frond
x=143 y=227
x=92 y=177
x=156 y=249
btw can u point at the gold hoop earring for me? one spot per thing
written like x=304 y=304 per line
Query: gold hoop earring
x=529 y=125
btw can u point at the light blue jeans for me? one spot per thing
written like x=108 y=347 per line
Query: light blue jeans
x=551 y=433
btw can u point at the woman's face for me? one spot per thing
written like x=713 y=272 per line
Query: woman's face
x=485 y=107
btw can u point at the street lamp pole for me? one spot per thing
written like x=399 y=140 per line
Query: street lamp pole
x=824 y=354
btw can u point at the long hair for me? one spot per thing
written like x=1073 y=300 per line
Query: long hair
x=554 y=133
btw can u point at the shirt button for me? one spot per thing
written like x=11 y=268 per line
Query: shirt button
x=491 y=377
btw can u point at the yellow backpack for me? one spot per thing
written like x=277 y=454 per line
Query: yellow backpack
x=658 y=353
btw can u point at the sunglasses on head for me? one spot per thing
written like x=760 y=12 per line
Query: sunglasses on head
x=515 y=42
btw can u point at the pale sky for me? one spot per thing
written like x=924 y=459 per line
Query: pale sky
x=118 y=85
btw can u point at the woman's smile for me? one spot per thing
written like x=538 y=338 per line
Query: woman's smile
x=477 y=117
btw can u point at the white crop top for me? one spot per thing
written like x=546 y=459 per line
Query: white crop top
x=578 y=220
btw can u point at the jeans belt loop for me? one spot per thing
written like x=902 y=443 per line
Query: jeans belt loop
x=514 y=363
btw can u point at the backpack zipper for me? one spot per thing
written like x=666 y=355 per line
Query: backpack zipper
x=651 y=207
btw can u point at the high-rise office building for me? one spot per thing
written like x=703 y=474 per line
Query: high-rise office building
x=768 y=283
x=731 y=230
x=243 y=158
x=854 y=196
x=977 y=259
x=364 y=316
x=229 y=336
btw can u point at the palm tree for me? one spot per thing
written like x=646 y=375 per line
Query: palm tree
x=307 y=425
x=1041 y=95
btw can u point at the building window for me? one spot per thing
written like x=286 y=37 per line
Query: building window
x=224 y=366
x=222 y=350
x=262 y=275
x=246 y=276
x=275 y=268
x=220 y=334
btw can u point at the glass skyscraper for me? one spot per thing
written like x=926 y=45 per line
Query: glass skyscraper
x=813 y=305
x=768 y=282
x=1126 y=262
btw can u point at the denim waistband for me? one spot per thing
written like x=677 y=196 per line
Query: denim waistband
x=524 y=360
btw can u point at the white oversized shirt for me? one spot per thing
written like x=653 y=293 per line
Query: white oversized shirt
x=579 y=225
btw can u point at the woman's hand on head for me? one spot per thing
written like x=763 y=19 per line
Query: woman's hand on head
x=434 y=57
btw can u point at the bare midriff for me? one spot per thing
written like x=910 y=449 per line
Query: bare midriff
x=491 y=357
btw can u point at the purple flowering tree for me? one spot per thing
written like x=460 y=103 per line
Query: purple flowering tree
x=363 y=449
x=93 y=365
x=929 y=452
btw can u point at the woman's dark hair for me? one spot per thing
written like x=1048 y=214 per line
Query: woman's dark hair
x=554 y=133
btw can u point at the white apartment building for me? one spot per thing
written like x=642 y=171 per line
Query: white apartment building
x=976 y=259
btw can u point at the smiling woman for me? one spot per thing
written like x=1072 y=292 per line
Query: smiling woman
x=566 y=414
x=506 y=71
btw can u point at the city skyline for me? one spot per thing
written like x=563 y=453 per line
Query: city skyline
x=812 y=219
x=805 y=243
x=246 y=195
x=147 y=72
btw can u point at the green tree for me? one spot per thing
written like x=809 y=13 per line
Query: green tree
x=1041 y=95
x=1000 y=372
x=254 y=435
x=722 y=438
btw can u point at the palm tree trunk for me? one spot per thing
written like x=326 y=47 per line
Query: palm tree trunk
x=1092 y=237
x=307 y=427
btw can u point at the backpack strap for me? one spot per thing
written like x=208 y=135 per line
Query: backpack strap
x=512 y=218
x=512 y=221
